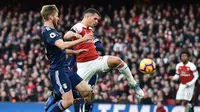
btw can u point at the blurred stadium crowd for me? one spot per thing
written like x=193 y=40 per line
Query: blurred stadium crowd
x=156 y=31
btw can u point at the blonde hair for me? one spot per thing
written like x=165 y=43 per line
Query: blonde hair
x=48 y=10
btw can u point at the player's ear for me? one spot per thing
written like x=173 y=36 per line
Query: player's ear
x=88 y=15
x=50 y=17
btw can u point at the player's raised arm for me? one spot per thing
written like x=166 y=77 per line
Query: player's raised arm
x=70 y=34
x=65 y=45
x=74 y=32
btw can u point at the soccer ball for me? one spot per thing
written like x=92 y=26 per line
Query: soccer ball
x=147 y=66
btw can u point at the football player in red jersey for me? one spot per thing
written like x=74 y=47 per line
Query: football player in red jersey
x=90 y=63
x=187 y=72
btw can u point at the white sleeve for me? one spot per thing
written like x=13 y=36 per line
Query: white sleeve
x=77 y=28
x=177 y=69
x=176 y=76
x=195 y=73
x=193 y=67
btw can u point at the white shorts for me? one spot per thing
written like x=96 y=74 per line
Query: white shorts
x=184 y=93
x=87 y=69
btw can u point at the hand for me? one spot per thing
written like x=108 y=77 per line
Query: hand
x=88 y=37
x=77 y=52
x=78 y=36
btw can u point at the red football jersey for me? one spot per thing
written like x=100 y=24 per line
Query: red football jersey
x=91 y=54
x=185 y=72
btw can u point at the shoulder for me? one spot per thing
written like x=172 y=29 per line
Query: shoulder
x=47 y=29
x=178 y=65
x=78 y=27
x=191 y=64
x=50 y=32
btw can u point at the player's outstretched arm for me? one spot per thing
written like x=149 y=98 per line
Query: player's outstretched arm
x=65 y=45
x=175 y=77
x=76 y=52
x=70 y=34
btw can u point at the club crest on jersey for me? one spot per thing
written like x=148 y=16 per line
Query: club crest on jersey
x=52 y=35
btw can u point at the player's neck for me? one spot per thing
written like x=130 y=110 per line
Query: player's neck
x=49 y=24
x=185 y=62
x=84 y=23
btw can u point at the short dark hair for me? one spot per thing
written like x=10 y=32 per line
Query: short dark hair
x=92 y=11
x=185 y=51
